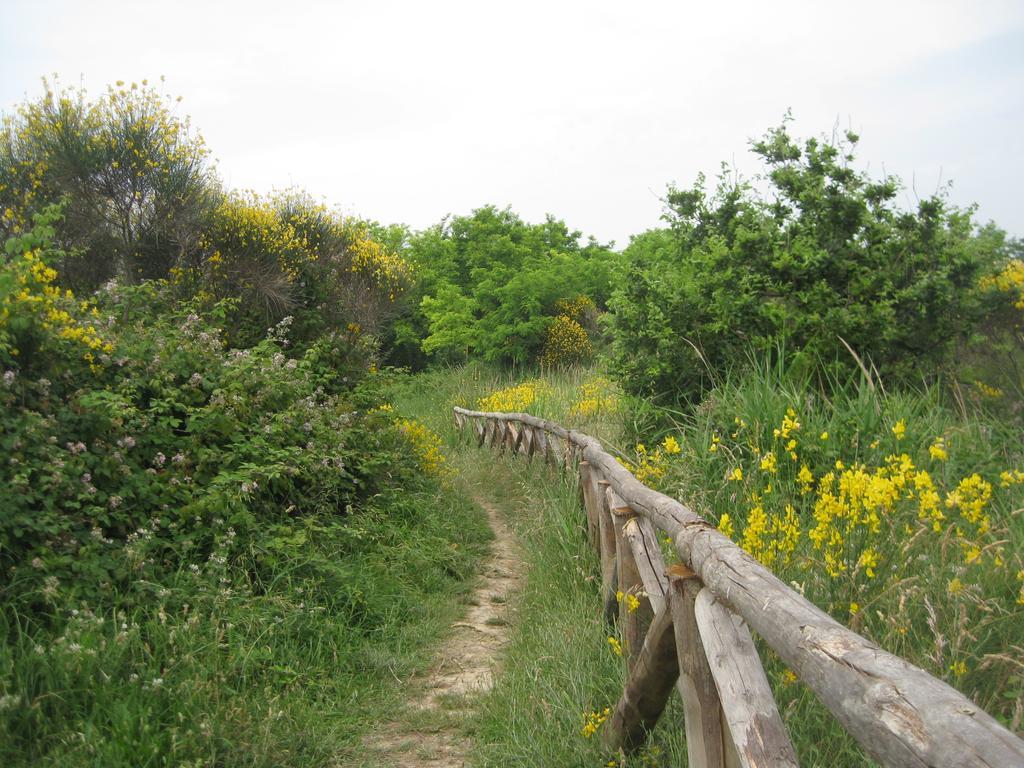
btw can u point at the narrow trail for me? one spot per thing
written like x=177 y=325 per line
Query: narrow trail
x=427 y=733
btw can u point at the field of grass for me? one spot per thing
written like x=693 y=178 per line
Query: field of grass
x=219 y=668
x=931 y=492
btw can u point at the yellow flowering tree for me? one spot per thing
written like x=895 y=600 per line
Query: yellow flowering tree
x=136 y=177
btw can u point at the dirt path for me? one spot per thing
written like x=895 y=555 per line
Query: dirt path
x=428 y=733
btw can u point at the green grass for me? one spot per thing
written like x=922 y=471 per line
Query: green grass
x=559 y=665
x=224 y=667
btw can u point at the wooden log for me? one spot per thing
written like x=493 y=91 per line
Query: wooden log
x=702 y=711
x=643 y=540
x=528 y=443
x=633 y=621
x=497 y=433
x=481 y=433
x=753 y=720
x=647 y=690
x=606 y=534
x=900 y=715
x=591 y=503
x=512 y=437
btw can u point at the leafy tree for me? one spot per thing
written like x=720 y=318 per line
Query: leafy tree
x=821 y=266
x=489 y=283
x=137 y=180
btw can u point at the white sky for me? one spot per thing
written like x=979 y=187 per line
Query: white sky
x=406 y=111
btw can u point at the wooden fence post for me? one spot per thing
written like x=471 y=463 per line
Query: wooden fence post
x=647 y=691
x=702 y=719
x=606 y=535
x=633 y=621
x=592 y=502
x=754 y=723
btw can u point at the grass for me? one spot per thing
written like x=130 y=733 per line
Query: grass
x=219 y=666
x=928 y=600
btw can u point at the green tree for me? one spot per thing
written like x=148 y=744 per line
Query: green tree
x=489 y=282
x=822 y=264
x=137 y=180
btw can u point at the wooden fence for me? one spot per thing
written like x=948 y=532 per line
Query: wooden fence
x=691 y=631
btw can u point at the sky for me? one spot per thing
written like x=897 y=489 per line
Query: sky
x=409 y=111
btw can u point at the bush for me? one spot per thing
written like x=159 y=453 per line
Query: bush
x=823 y=265
x=136 y=178
x=491 y=285
x=127 y=436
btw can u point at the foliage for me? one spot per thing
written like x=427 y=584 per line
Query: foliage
x=204 y=549
x=103 y=429
x=137 y=179
x=287 y=255
x=892 y=513
x=566 y=343
x=491 y=283
x=994 y=362
x=824 y=265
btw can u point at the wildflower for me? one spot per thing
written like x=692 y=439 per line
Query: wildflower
x=900 y=429
x=789 y=677
x=958 y=668
x=854 y=608
x=615 y=645
x=670 y=445
x=768 y=462
x=955 y=586
x=736 y=474
x=805 y=479
x=725 y=525
x=937 y=450
x=632 y=603
x=868 y=560
x=823 y=436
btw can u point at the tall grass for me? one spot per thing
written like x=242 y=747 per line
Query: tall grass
x=936 y=579
x=277 y=657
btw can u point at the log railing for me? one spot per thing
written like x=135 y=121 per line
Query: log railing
x=692 y=631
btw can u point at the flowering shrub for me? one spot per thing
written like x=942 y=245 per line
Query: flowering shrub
x=596 y=396
x=896 y=517
x=137 y=179
x=566 y=342
x=130 y=434
x=426 y=444
x=515 y=399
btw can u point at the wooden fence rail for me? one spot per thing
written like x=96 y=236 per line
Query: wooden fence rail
x=692 y=627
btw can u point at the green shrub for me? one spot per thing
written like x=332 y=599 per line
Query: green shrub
x=491 y=284
x=821 y=265
x=128 y=431
x=137 y=180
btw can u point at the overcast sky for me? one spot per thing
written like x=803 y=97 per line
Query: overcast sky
x=407 y=111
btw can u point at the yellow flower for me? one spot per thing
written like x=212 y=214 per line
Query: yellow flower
x=632 y=603
x=868 y=560
x=789 y=677
x=768 y=462
x=854 y=608
x=938 y=450
x=900 y=429
x=958 y=668
x=725 y=525
x=805 y=479
x=670 y=445
x=823 y=436
x=955 y=586
x=615 y=645
x=736 y=474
